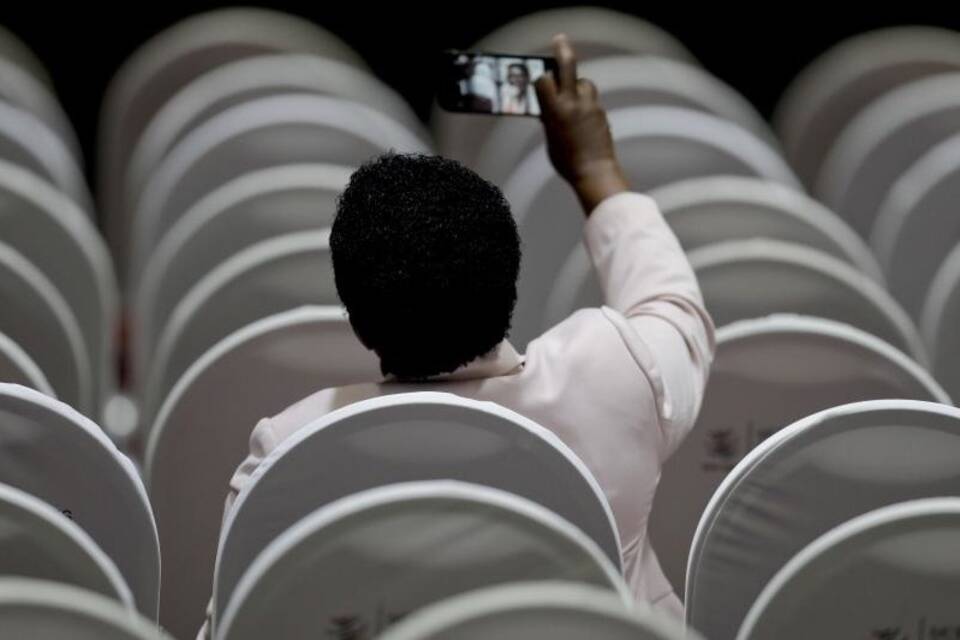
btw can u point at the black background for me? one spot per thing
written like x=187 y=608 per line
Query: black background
x=757 y=49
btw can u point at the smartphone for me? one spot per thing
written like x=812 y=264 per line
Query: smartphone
x=491 y=83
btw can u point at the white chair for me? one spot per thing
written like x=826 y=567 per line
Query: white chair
x=17 y=367
x=882 y=142
x=622 y=81
x=14 y=50
x=37 y=318
x=171 y=60
x=42 y=543
x=891 y=573
x=261 y=133
x=400 y=438
x=595 y=32
x=915 y=231
x=40 y=222
x=23 y=90
x=42 y=610
x=941 y=312
x=832 y=90
x=769 y=373
x=27 y=141
x=703 y=211
x=686 y=144
x=374 y=556
x=250 y=78
x=254 y=207
x=536 y=611
x=202 y=432
x=801 y=482
x=271 y=276
x=743 y=279
x=49 y=450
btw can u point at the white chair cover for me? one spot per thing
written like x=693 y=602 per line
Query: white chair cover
x=17 y=367
x=891 y=573
x=940 y=318
x=14 y=50
x=49 y=450
x=769 y=373
x=203 y=429
x=26 y=91
x=802 y=482
x=376 y=555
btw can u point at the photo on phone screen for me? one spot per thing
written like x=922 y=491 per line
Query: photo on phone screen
x=491 y=83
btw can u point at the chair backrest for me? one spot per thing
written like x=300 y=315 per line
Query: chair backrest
x=894 y=572
x=769 y=373
x=537 y=611
x=271 y=276
x=59 y=240
x=753 y=278
x=49 y=450
x=802 y=482
x=704 y=211
x=28 y=141
x=882 y=142
x=941 y=313
x=596 y=33
x=622 y=81
x=37 y=318
x=171 y=60
x=16 y=51
x=833 y=89
x=25 y=91
x=203 y=429
x=686 y=143
x=17 y=367
x=41 y=542
x=249 y=78
x=408 y=437
x=42 y=610
x=379 y=554
x=254 y=207
x=915 y=231
x=264 y=132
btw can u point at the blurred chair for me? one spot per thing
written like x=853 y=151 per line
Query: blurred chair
x=537 y=611
x=703 y=211
x=171 y=60
x=27 y=141
x=60 y=241
x=14 y=50
x=42 y=610
x=238 y=82
x=294 y=128
x=882 y=142
x=596 y=33
x=686 y=143
x=892 y=571
x=769 y=373
x=17 y=367
x=940 y=318
x=274 y=275
x=833 y=90
x=802 y=482
x=52 y=452
x=37 y=318
x=400 y=438
x=25 y=91
x=42 y=543
x=622 y=81
x=202 y=432
x=370 y=558
x=256 y=206
x=917 y=227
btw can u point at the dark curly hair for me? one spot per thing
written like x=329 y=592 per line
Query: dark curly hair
x=426 y=256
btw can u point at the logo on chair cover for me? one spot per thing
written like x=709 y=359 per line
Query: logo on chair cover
x=725 y=447
x=356 y=627
x=924 y=630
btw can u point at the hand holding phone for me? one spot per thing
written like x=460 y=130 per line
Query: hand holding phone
x=493 y=84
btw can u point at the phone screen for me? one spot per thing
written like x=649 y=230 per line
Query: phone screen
x=494 y=84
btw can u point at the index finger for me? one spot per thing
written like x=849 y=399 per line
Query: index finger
x=566 y=63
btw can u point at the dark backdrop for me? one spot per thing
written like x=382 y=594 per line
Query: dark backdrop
x=755 y=49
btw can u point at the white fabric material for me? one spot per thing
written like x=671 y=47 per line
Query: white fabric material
x=621 y=386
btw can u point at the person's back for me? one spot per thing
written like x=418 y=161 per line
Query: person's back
x=426 y=257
